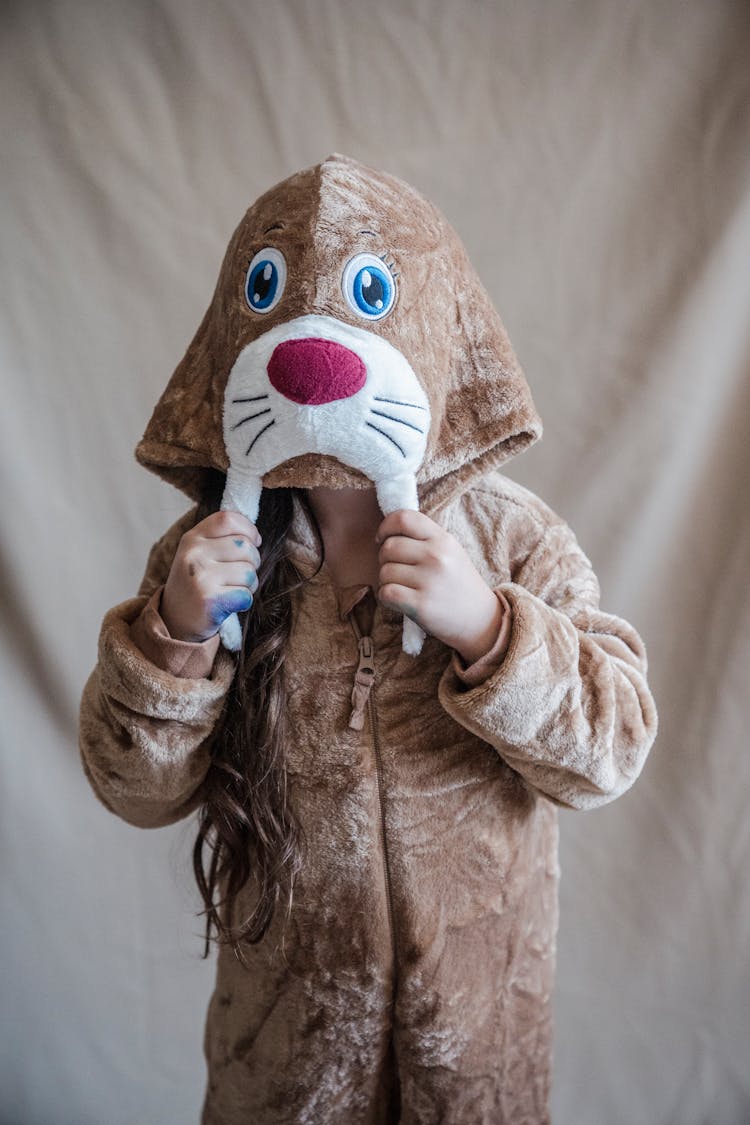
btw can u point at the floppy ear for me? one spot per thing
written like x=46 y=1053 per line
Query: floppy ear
x=488 y=414
x=184 y=435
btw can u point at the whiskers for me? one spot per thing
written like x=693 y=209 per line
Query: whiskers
x=251 y=417
x=396 y=402
x=389 y=413
x=394 y=418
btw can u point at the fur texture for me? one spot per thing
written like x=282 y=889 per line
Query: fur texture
x=414 y=980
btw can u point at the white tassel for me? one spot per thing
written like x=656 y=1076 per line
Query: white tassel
x=394 y=494
x=241 y=494
x=230 y=632
x=413 y=637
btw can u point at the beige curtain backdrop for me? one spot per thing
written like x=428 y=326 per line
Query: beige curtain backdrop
x=595 y=158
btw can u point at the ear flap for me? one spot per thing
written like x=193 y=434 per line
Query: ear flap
x=488 y=413
x=184 y=435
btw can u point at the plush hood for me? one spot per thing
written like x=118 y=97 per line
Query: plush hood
x=349 y=341
x=290 y=302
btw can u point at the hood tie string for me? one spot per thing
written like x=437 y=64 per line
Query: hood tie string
x=363 y=681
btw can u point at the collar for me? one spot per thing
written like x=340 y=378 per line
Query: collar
x=303 y=549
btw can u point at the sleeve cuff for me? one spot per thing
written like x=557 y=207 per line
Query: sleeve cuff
x=184 y=659
x=474 y=674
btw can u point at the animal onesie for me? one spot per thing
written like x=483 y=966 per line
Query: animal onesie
x=413 y=980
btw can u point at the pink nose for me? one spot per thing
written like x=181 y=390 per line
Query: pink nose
x=314 y=371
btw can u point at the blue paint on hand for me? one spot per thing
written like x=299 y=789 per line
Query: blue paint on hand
x=234 y=601
x=250 y=577
x=239 y=542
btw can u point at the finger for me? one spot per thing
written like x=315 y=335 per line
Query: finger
x=236 y=548
x=416 y=525
x=239 y=574
x=397 y=548
x=229 y=601
x=400 y=575
x=219 y=524
x=402 y=598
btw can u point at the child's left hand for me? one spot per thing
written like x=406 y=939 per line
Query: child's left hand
x=426 y=574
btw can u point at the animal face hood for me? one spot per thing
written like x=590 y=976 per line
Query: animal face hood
x=349 y=341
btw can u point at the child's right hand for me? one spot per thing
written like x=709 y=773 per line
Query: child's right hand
x=213 y=575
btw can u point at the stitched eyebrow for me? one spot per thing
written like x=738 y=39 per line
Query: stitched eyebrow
x=372 y=232
x=275 y=226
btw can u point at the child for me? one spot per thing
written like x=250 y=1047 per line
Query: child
x=379 y=825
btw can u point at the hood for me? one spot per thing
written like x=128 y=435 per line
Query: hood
x=349 y=340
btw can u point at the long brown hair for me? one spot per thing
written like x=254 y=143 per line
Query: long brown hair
x=246 y=823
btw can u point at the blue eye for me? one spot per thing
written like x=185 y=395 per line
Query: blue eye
x=265 y=280
x=369 y=286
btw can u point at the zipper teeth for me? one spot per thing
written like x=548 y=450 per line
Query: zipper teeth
x=379 y=775
x=386 y=866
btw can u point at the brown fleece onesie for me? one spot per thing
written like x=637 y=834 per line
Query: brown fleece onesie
x=415 y=979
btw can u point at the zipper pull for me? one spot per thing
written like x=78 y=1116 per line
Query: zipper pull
x=363 y=681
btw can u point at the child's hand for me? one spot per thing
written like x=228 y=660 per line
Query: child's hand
x=426 y=574
x=213 y=575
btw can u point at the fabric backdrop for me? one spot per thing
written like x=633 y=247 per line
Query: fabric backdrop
x=595 y=158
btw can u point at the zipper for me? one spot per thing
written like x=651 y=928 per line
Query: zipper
x=364 y=678
x=367 y=660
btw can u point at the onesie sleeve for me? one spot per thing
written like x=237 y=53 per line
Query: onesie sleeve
x=477 y=673
x=568 y=707
x=188 y=659
x=145 y=724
